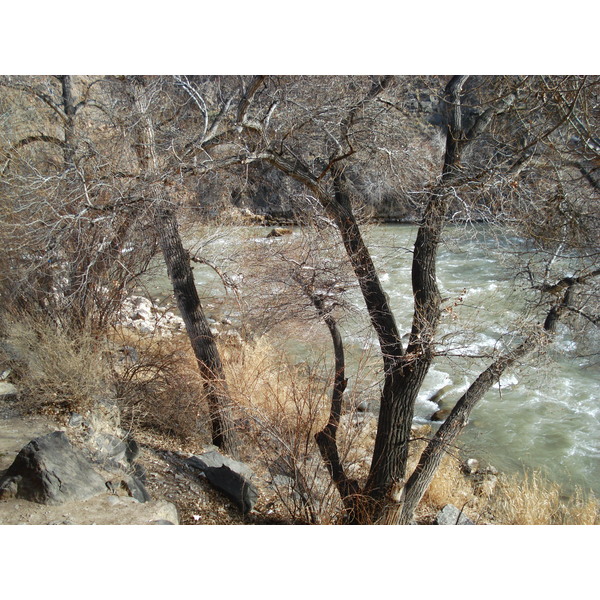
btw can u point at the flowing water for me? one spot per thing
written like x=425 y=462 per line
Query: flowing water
x=543 y=415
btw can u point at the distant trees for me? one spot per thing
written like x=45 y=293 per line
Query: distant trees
x=69 y=223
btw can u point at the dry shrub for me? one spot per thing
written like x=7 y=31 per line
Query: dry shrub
x=54 y=367
x=532 y=500
x=267 y=387
x=284 y=405
x=449 y=486
x=159 y=385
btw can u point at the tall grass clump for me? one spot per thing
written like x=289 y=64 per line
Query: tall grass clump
x=530 y=499
x=54 y=367
x=282 y=406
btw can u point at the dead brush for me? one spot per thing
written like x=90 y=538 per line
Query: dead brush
x=158 y=384
x=284 y=406
x=55 y=368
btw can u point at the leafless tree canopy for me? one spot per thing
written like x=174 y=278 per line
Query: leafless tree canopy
x=95 y=172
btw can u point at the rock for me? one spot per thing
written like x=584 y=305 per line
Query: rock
x=135 y=488
x=108 y=448
x=75 y=420
x=283 y=481
x=440 y=415
x=450 y=515
x=8 y=391
x=105 y=416
x=130 y=355
x=132 y=451
x=470 y=466
x=436 y=397
x=362 y=406
x=279 y=232
x=287 y=484
x=48 y=470
x=229 y=476
x=145 y=327
x=161 y=522
x=113 y=452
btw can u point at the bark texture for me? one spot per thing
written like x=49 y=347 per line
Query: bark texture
x=202 y=341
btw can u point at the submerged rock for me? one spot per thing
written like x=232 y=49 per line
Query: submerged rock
x=441 y=415
x=279 y=232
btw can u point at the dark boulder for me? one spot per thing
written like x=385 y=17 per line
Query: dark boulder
x=229 y=476
x=48 y=470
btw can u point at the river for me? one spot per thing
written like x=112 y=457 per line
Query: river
x=544 y=415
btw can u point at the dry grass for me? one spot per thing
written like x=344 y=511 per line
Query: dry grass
x=449 y=486
x=283 y=406
x=532 y=500
x=265 y=385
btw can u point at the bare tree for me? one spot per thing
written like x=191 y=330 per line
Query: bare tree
x=521 y=152
x=69 y=223
x=177 y=260
x=496 y=133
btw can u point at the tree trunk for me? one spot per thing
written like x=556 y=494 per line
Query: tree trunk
x=432 y=456
x=69 y=125
x=404 y=371
x=404 y=379
x=326 y=438
x=203 y=343
x=180 y=272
